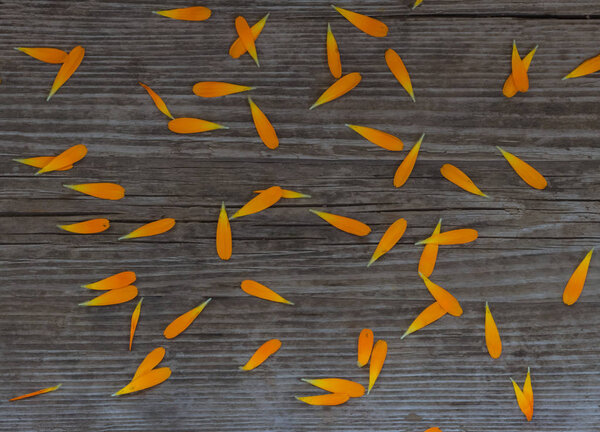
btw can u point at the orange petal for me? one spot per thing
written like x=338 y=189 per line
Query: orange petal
x=417 y=3
x=211 y=89
x=69 y=66
x=262 y=201
x=329 y=399
x=529 y=174
x=528 y=390
x=92 y=226
x=377 y=359
x=397 y=67
x=237 y=48
x=389 y=239
x=288 y=194
x=151 y=379
x=151 y=360
x=446 y=300
x=577 y=280
x=189 y=125
x=35 y=393
x=522 y=401
x=162 y=107
x=47 y=55
x=492 y=337
x=407 y=165
x=194 y=13
x=118 y=280
x=519 y=71
x=108 y=191
x=333 y=54
x=369 y=25
x=430 y=314
x=113 y=297
x=40 y=162
x=245 y=35
x=338 y=88
x=259 y=290
x=151 y=229
x=265 y=129
x=135 y=317
x=338 y=385
x=460 y=179
x=262 y=353
x=378 y=137
x=459 y=236
x=66 y=158
x=589 y=66
x=510 y=89
x=223 y=235
x=365 y=346
x=429 y=254
x=346 y=224
x=182 y=322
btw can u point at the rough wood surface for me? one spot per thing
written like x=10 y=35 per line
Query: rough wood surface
x=458 y=54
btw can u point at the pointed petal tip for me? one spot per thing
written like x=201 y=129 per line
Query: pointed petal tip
x=406 y=333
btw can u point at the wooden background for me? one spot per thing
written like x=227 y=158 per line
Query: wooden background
x=458 y=54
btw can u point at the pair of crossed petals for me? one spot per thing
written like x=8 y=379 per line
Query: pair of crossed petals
x=118 y=287
x=147 y=374
x=372 y=353
x=62 y=162
x=69 y=62
x=518 y=81
x=341 y=390
x=525 y=396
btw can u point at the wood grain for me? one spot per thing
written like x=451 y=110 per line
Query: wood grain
x=458 y=55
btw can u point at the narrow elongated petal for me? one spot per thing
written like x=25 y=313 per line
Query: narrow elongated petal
x=460 y=179
x=429 y=254
x=69 y=66
x=529 y=174
x=107 y=191
x=237 y=48
x=113 y=297
x=365 y=346
x=459 y=236
x=262 y=353
x=510 y=89
x=389 y=239
x=260 y=202
x=397 y=68
x=346 y=224
x=377 y=360
x=160 y=104
x=492 y=337
x=211 y=89
x=417 y=3
x=378 y=137
x=265 y=129
x=446 y=300
x=407 y=165
x=189 y=125
x=589 y=66
x=47 y=55
x=256 y=289
x=329 y=399
x=223 y=235
x=92 y=226
x=338 y=385
x=182 y=322
x=527 y=389
x=135 y=317
x=333 y=54
x=194 y=13
x=118 y=280
x=151 y=360
x=151 y=379
x=66 y=158
x=519 y=71
x=288 y=194
x=522 y=401
x=430 y=314
x=338 y=88
x=35 y=393
x=41 y=162
x=151 y=229
x=577 y=281
x=369 y=25
x=245 y=35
